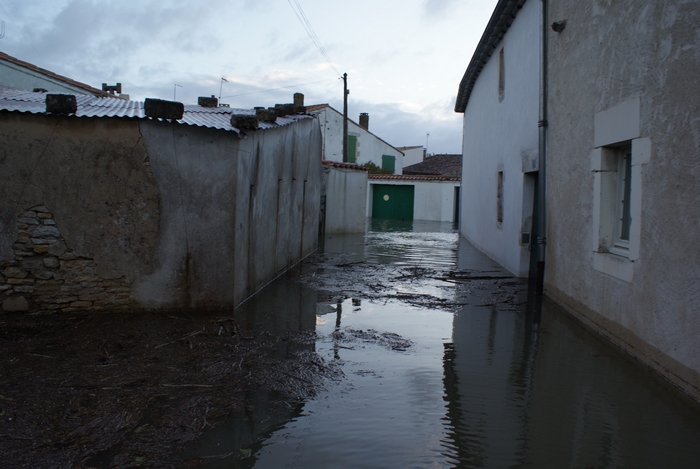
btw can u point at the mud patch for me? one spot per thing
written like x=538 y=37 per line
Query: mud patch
x=129 y=391
x=388 y=340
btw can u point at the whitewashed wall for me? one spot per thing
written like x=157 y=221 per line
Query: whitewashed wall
x=637 y=62
x=346 y=200
x=496 y=135
x=369 y=146
x=412 y=156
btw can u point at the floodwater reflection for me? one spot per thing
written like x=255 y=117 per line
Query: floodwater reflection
x=476 y=388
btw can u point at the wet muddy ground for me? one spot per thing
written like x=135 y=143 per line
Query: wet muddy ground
x=401 y=347
x=127 y=391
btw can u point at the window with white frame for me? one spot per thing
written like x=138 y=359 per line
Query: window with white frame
x=617 y=159
x=616 y=196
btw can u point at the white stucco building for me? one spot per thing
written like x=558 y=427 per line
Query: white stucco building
x=620 y=128
x=363 y=145
x=16 y=73
x=412 y=155
x=622 y=177
x=499 y=98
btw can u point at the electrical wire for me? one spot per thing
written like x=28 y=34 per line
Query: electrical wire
x=299 y=12
x=275 y=89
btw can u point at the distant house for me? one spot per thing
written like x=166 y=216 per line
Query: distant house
x=437 y=165
x=16 y=73
x=617 y=135
x=363 y=145
x=412 y=155
x=110 y=204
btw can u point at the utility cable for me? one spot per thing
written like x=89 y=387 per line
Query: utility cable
x=299 y=12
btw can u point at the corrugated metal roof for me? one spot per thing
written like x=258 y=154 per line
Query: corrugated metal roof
x=12 y=99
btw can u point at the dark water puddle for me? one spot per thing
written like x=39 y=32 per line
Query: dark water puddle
x=463 y=381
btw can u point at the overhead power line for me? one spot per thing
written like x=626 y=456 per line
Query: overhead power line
x=310 y=31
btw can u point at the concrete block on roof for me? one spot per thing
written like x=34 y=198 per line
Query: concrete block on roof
x=245 y=121
x=61 y=104
x=207 y=102
x=266 y=115
x=162 y=109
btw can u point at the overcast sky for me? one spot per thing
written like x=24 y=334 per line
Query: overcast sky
x=404 y=58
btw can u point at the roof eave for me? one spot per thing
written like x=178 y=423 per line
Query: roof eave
x=501 y=19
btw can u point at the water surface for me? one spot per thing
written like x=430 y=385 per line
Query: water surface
x=475 y=388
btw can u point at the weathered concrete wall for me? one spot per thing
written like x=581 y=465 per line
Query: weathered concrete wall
x=236 y=213
x=105 y=213
x=497 y=134
x=369 y=146
x=612 y=53
x=346 y=200
x=79 y=212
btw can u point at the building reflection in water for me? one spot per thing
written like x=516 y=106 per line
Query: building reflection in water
x=558 y=398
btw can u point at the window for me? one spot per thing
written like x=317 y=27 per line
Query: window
x=622 y=197
x=352 y=148
x=389 y=163
x=616 y=162
x=499 y=199
x=501 y=76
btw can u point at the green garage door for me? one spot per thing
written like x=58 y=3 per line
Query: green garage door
x=392 y=201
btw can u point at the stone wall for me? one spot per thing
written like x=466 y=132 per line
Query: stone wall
x=46 y=275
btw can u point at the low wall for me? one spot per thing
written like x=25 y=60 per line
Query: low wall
x=126 y=214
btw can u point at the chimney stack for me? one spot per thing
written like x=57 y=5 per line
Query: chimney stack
x=298 y=100
x=364 y=120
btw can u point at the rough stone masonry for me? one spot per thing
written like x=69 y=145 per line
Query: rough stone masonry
x=45 y=275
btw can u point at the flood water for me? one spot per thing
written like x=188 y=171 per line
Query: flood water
x=467 y=387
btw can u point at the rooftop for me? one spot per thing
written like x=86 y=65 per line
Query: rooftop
x=446 y=165
x=501 y=19
x=12 y=99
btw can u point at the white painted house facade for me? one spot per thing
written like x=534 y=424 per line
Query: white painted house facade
x=363 y=145
x=499 y=98
x=622 y=177
x=621 y=144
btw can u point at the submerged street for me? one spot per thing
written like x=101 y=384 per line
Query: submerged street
x=401 y=347
x=441 y=367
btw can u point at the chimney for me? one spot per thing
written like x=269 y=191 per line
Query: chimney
x=298 y=100
x=364 y=120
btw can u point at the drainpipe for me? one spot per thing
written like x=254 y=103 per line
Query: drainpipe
x=541 y=173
